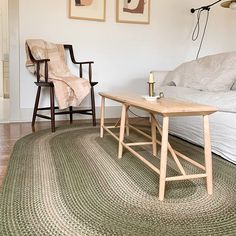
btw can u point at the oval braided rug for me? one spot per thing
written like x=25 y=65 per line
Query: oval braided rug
x=72 y=183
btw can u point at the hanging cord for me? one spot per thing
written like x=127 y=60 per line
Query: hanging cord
x=196 y=30
x=197 y=27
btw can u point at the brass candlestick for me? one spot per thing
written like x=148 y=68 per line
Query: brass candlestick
x=151 y=92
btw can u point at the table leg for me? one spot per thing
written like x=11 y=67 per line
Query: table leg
x=122 y=130
x=164 y=143
x=102 y=116
x=208 y=156
x=154 y=136
x=127 y=121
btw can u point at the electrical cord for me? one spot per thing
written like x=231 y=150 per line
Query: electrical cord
x=197 y=27
x=196 y=30
x=142 y=117
x=161 y=95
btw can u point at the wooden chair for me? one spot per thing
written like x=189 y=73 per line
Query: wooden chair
x=46 y=83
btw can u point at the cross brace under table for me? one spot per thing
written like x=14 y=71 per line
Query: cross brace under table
x=165 y=146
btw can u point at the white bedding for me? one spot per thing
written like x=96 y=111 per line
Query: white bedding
x=222 y=123
x=209 y=81
x=224 y=101
x=222 y=129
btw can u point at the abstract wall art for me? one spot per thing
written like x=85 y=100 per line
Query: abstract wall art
x=87 y=9
x=133 y=11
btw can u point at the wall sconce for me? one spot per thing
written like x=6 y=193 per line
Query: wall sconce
x=229 y=4
x=196 y=31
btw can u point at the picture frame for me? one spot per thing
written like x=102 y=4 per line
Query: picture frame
x=94 y=10
x=133 y=11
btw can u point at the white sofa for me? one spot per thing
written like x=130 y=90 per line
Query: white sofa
x=210 y=80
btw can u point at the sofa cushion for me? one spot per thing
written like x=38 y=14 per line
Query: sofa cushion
x=210 y=73
x=234 y=86
x=224 y=101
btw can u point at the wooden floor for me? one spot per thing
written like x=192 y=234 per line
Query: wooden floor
x=10 y=133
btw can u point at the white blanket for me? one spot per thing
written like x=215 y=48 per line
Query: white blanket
x=224 y=101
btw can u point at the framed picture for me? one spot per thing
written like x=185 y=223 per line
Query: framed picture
x=133 y=11
x=87 y=9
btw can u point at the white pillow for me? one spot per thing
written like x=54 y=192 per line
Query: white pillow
x=159 y=77
x=211 y=73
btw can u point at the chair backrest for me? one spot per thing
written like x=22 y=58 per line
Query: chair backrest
x=70 y=49
x=40 y=52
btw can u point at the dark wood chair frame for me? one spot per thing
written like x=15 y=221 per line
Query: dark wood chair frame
x=46 y=83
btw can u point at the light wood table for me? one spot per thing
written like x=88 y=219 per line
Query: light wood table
x=166 y=108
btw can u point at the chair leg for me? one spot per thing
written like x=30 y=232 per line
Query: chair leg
x=52 y=109
x=93 y=107
x=36 y=104
x=71 y=114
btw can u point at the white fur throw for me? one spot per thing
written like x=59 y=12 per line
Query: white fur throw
x=210 y=73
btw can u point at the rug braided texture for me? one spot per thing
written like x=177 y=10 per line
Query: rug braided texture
x=71 y=183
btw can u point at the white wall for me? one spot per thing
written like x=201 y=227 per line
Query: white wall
x=123 y=53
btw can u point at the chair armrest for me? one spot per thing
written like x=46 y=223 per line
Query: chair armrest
x=41 y=60
x=38 y=62
x=80 y=63
x=159 y=77
x=83 y=62
x=72 y=56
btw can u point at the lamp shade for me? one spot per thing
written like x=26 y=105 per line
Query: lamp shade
x=233 y=5
x=229 y=4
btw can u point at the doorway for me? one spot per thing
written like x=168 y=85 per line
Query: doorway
x=4 y=62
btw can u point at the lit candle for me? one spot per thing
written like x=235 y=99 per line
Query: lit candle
x=151 y=78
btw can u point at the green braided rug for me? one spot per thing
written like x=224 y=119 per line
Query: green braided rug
x=72 y=183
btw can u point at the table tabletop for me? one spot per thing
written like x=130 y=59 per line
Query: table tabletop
x=163 y=106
